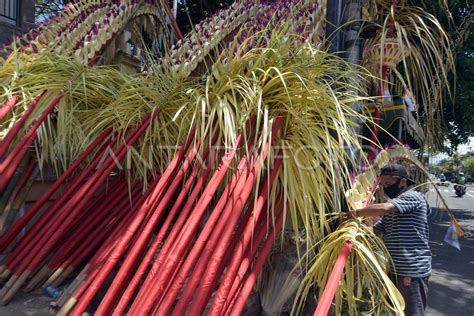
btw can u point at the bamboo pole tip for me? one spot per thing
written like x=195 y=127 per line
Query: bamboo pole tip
x=19 y=281
x=5 y=274
x=38 y=279
x=53 y=278
x=7 y=286
x=67 y=307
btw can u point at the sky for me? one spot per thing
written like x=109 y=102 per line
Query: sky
x=466 y=147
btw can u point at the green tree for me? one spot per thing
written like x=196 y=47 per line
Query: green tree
x=469 y=164
x=459 y=110
x=193 y=11
x=460 y=113
x=44 y=9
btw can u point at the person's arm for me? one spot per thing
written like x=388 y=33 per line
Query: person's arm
x=379 y=209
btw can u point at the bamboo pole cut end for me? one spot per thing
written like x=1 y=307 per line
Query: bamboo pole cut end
x=53 y=278
x=19 y=281
x=38 y=279
x=67 y=307
x=5 y=274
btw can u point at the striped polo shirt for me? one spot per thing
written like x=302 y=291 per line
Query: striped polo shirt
x=406 y=234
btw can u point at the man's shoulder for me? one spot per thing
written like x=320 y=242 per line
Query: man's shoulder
x=408 y=200
x=412 y=194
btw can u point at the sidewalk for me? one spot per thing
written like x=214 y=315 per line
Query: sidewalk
x=451 y=290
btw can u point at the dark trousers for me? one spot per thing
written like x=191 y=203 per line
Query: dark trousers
x=415 y=295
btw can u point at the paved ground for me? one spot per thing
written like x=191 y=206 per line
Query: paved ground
x=451 y=289
x=28 y=304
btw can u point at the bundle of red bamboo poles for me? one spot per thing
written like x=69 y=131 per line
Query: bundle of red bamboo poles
x=195 y=236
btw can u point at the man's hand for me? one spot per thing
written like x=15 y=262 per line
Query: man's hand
x=348 y=215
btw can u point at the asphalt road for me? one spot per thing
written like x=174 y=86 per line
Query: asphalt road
x=451 y=290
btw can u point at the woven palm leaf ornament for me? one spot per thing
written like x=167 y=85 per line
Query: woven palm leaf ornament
x=412 y=55
x=84 y=28
x=384 y=52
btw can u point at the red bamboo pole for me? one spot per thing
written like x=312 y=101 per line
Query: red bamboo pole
x=262 y=257
x=86 y=246
x=107 y=196
x=233 y=245
x=176 y=229
x=261 y=229
x=47 y=220
x=222 y=236
x=7 y=106
x=76 y=204
x=109 y=205
x=228 y=254
x=67 y=216
x=333 y=282
x=102 y=257
x=13 y=132
x=176 y=283
x=99 y=213
x=48 y=217
x=105 y=229
x=88 y=274
x=133 y=284
x=226 y=214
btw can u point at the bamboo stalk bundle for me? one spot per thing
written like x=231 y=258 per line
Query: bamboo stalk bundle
x=109 y=203
x=184 y=213
x=63 y=220
x=208 y=236
x=8 y=237
x=156 y=205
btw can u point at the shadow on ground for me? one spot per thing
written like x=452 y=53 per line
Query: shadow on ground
x=451 y=290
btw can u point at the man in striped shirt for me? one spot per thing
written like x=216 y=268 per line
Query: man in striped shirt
x=404 y=226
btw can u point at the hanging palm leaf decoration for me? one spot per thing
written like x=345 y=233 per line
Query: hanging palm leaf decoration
x=418 y=53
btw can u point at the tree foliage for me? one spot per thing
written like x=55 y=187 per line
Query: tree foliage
x=193 y=11
x=469 y=164
x=459 y=112
x=47 y=8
